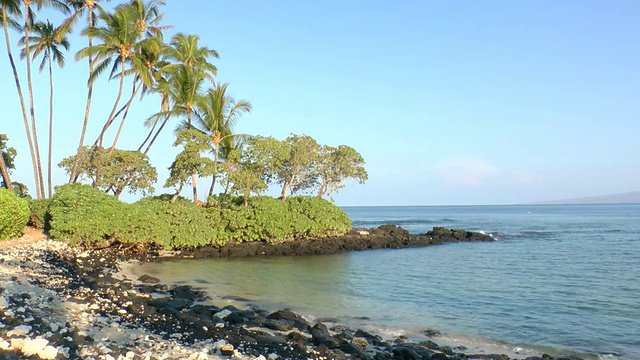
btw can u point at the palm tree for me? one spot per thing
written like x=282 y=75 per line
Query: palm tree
x=80 y=7
x=46 y=42
x=183 y=93
x=218 y=113
x=28 y=17
x=143 y=68
x=117 y=41
x=12 y=7
x=147 y=16
x=184 y=50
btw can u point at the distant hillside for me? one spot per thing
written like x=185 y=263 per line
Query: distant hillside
x=624 y=198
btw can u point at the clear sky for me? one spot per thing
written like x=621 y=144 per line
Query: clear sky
x=449 y=102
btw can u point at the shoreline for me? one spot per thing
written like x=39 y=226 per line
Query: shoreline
x=58 y=302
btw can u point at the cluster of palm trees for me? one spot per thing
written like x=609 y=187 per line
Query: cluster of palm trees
x=127 y=43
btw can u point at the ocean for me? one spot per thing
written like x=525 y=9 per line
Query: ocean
x=559 y=279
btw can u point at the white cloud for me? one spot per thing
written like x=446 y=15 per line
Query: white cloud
x=464 y=170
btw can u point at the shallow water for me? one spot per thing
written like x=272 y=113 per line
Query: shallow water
x=559 y=279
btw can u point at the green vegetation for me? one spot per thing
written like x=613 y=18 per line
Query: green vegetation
x=89 y=217
x=14 y=213
x=126 y=41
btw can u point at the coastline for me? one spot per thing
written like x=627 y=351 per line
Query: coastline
x=82 y=304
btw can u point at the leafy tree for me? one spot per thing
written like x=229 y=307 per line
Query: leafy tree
x=337 y=164
x=124 y=168
x=189 y=161
x=251 y=169
x=297 y=172
x=216 y=116
x=47 y=43
x=6 y=161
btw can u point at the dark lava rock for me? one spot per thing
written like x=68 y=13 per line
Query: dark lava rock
x=148 y=279
x=279 y=324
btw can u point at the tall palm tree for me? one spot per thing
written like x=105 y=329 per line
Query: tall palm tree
x=185 y=50
x=143 y=68
x=147 y=17
x=28 y=20
x=182 y=91
x=217 y=115
x=80 y=7
x=117 y=39
x=12 y=7
x=46 y=42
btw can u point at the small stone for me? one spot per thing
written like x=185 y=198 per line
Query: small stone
x=222 y=314
x=20 y=330
x=48 y=353
x=4 y=344
x=227 y=350
x=54 y=327
x=34 y=346
x=3 y=303
x=17 y=344
x=130 y=355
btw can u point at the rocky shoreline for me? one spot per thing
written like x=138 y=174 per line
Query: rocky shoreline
x=58 y=302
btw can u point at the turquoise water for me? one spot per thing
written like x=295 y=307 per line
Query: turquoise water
x=560 y=279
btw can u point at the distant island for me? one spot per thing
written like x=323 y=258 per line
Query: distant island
x=622 y=198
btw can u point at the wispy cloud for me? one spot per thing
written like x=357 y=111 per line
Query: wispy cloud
x=464 y=170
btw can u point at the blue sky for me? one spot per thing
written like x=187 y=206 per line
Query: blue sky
x=449 y=102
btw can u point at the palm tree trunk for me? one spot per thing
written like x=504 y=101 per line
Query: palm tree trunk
x=215 y=168
x=50 y=127
x=134 y=92
x=105 y=127
x=32 y=113
x=24 y=107
x=74 y=169
x=5 y=174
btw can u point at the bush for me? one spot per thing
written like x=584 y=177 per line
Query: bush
x=39 y=216
x=14 y=214
x=317 y=218
x=87 y=216
x=178 y=225
x=84 y=215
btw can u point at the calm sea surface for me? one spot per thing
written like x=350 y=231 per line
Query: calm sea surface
x=561 y=279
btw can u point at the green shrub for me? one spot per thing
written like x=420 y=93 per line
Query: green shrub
x=272 y=219
x=39 y=215
x=14 y=214
x=317 y=218
x=84 y=215
x=178 y=225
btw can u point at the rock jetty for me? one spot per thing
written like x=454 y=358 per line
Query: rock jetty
x=382 y=237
